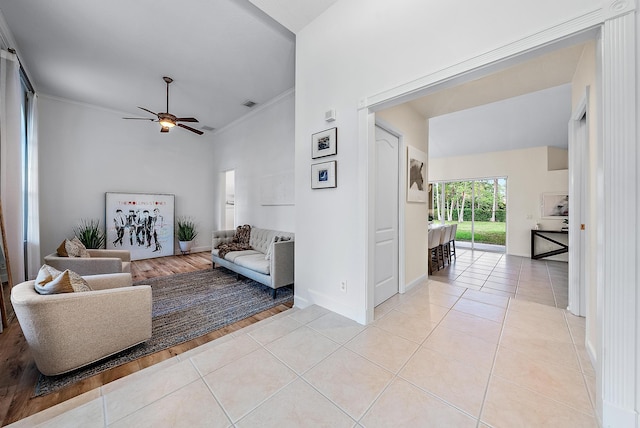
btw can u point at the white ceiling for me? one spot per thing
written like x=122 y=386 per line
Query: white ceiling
x=532 y=120
x=221 y=53
x=114 y=53
x=525 y=105
x=294 y=14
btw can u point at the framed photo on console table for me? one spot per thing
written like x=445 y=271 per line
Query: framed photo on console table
x=324 y=143
x=323 y=175
x=141 y=223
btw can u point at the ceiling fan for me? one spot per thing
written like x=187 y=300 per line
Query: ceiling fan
x=167 y=120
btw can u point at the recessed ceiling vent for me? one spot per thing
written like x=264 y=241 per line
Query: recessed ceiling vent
x=249 y=103
x=207 y=128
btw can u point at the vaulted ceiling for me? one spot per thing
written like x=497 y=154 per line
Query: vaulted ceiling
x=222 y=53
x=114 y=53
x=525 y=105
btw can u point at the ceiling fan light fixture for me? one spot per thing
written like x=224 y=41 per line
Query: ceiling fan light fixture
x=167 y=123
x=168 y=120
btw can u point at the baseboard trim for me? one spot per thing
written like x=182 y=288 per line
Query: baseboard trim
x=614 y=416
x=177 y=251
x=418 y=280
x=334 y=305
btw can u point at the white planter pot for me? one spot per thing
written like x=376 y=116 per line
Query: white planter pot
x=185 y=246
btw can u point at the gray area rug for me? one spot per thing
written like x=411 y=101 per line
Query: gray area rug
x=185 y=306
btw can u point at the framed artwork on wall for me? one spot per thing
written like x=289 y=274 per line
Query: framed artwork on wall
x=324 y=143
x=416 y=175
x=555 y=205
x=323 y=175
x=141 y=223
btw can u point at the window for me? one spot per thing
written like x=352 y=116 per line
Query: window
x=479 y=208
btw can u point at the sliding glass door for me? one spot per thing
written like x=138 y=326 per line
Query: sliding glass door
x=478 y=207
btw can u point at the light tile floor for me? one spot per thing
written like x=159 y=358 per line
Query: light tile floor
x=439 y=355
x=540 y=281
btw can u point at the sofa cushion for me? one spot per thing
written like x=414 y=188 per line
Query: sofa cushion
x=62 y=249
x=270 y=250
x=261 y=239
x=255 y=262
x=52 y=281
x=233 y=255
x=275 y=239
x=75 y=248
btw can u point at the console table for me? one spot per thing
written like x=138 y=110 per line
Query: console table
x=564 y=248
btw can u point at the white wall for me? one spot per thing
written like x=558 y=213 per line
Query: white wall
x=355 y=50
x=527 y=178
x=86 y=151
x=260 y=148
x=414 y=129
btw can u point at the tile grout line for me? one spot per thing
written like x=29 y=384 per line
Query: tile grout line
x=555 y=400
x=211 y=391
x=553 y=293
x=264 y=347
x=420 y=345
x=397 y=376
x=493 y=364
x=580 y=363
x=300 y=376
x=430 y=393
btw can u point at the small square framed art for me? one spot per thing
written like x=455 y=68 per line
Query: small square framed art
x=323 y=175
x=324 y=143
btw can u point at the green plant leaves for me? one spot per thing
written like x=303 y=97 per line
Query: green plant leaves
x=186 y=230
x=90 y=233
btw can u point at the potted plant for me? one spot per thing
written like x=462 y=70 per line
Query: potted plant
x=90 y=233
x=186 y=233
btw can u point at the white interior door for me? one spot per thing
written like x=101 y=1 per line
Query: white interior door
x=584 y=215
x=386 y=215
x=579 y=173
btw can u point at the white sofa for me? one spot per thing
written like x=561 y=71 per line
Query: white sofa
x=275 y=272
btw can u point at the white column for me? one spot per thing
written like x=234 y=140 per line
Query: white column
x=618 y=295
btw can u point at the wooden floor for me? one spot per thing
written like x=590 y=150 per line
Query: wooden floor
x=18 y=373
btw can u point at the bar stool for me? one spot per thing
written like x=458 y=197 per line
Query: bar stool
x=452 y=241
x=433 y=242
x=443 y=252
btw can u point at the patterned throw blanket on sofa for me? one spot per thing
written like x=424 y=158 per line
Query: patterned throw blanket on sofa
x=240 y=241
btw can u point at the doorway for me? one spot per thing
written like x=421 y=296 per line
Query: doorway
x=579 y=207
x=478 y=207
x=229 y=200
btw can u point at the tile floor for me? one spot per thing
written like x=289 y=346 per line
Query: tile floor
x=439 y=355
x=540 y=281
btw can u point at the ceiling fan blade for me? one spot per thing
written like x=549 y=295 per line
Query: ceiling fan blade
x=140 y=118
x=190 y=129
x=146 y=109
x=186 y=119
x=164 y=129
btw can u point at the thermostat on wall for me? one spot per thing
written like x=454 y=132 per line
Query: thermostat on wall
x=330 y=115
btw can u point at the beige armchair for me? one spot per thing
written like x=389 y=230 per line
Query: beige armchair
x=100 y=262
x=70 y=330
